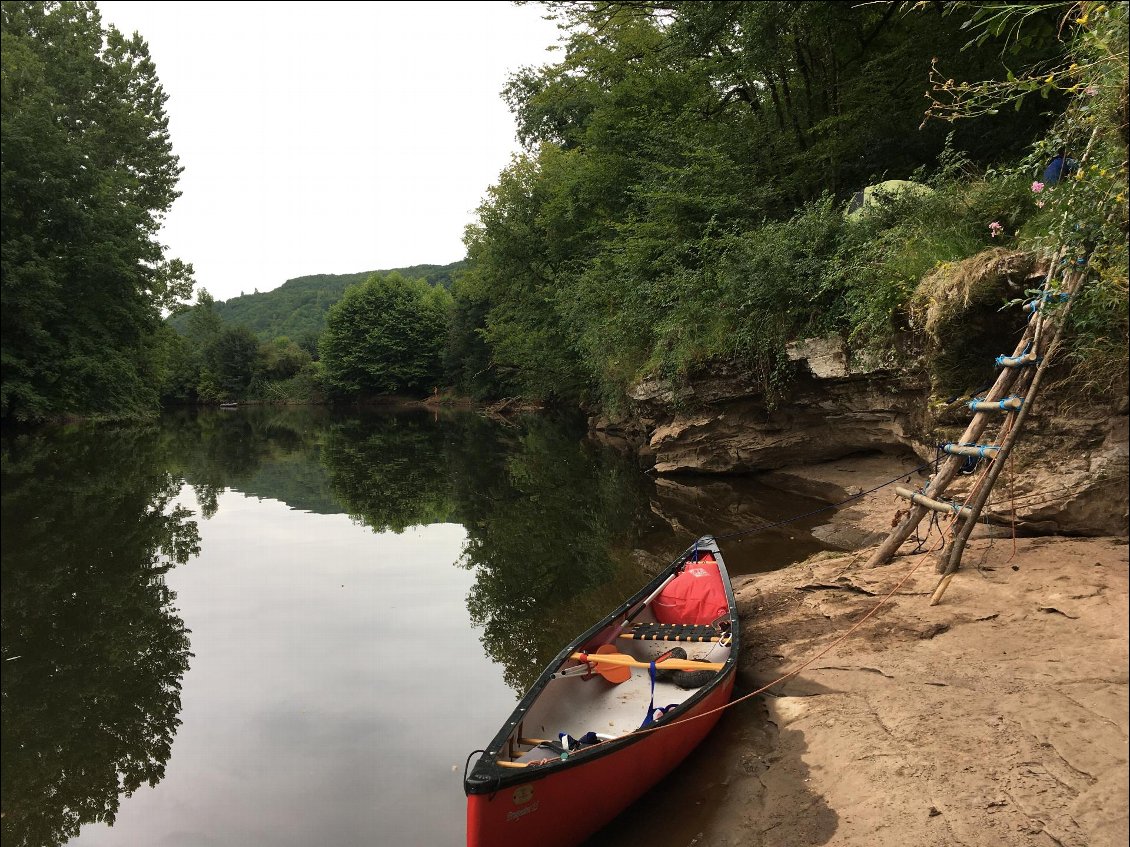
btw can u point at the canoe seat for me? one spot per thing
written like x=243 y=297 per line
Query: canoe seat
x=673 y=632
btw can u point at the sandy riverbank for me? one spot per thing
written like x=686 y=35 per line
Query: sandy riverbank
x=997 y=718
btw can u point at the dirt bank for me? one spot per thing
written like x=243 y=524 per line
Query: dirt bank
x=997 y=718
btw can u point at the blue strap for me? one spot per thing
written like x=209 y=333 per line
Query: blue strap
x=652 y=717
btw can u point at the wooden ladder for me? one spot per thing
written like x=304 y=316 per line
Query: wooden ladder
x=1008 y=402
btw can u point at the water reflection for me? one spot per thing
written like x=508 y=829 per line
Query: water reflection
x=93 y=648
x=553 y=530
x=551 y=521
x=390 y=472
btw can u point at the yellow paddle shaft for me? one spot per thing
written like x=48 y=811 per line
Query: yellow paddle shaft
x=624 y=661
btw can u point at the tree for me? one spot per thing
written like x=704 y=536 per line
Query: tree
x=282 y=358
x=386 y=336
x=233 y=361
x=87 y=172
x=667 y=137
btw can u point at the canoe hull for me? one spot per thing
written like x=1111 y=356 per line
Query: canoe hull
x=566 y=806
x=521 y=792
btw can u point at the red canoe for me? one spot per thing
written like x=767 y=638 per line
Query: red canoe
x=613 y=713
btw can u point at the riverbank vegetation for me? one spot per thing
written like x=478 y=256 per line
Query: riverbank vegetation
x=700 y=183
x=687 y=168
x=88 y=173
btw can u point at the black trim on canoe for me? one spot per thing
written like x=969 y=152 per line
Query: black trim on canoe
x=486 y=777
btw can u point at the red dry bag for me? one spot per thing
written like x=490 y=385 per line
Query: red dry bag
x=695 y=596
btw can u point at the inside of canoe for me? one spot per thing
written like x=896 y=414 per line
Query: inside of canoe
x=582 y=701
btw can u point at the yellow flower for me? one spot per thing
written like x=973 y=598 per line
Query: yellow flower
x=1082 y=20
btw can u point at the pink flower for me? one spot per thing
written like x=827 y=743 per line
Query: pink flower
x=1090 y=91
x=1039 y=204
x=995 y=229
x=1037 y=187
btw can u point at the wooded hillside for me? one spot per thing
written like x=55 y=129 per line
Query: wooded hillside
x=298 y=307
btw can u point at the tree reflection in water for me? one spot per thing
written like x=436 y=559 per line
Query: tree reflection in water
x=551 y=522
x=93 y=649
x=557 y=528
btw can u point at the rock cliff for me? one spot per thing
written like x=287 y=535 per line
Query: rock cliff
x=1069 y=473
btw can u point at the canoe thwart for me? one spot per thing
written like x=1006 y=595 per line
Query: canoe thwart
x=673 y=632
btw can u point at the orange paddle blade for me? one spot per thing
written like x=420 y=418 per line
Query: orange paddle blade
x=613 y=673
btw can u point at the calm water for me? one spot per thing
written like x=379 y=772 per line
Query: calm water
x=290 y=627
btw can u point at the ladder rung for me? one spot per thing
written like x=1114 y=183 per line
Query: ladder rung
x=1008 y=404
x=930 y=503
x=1018 y=361
x=979 y=451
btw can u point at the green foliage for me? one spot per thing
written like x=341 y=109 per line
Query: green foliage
x=233 y=361
x=680 y=199
x=1086 y=212
x=386 y=336
x=213 y=362
x=87 y=173
x=297 y=308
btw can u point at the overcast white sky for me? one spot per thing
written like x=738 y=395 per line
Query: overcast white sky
x=331 y=137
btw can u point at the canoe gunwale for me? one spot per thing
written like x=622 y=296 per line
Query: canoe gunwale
x=486 y=777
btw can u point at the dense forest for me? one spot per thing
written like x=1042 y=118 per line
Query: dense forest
x=687 y=167
x=683 y=198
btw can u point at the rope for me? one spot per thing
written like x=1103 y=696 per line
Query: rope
x=786 y=676
x=922 y=556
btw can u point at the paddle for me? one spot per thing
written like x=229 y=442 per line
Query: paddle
x=613 y=673
x=622 y=660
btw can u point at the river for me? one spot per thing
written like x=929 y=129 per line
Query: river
x=290 y=626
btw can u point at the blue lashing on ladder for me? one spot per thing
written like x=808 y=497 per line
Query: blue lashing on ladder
x=1023 y=360
x=981 y=450
x=1047 y=297
x=1008 y=404
x=1017 y=361
x=971 y=462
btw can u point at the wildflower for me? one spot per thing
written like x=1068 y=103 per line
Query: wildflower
x=1037 y=187
x=995 y=229
x=1091 y=90
x=1039 y=204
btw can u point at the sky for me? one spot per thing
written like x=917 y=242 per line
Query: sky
x=334 y=137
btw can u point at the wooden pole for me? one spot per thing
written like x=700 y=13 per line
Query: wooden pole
x=953 y=560
x=949 y=469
